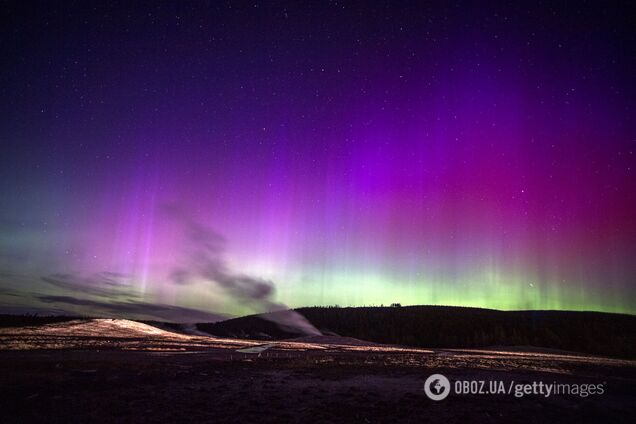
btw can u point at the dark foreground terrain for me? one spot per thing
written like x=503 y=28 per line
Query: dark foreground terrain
x=123 y=371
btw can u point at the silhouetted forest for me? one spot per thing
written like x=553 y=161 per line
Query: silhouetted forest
x=457 y=327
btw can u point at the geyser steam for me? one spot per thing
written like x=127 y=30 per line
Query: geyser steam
x=204 y=251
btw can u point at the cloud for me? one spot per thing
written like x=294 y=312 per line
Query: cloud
x=11 y=309
x=110 y=293
x=138 y=310
x=103 y=284
x=7 y=292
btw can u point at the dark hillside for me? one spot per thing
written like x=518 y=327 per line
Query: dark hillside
x=457 y=327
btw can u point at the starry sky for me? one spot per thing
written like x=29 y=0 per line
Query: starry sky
x=191 y=160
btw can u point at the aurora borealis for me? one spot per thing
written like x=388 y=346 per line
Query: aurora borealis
x=352 y=153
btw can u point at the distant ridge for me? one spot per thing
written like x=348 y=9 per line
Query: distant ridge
x=8 y=320
x=600 y=333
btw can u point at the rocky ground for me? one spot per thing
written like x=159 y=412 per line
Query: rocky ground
x=122 y=371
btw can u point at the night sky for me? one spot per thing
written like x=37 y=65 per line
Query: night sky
x=187 y=160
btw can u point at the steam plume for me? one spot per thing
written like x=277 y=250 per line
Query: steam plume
x=204 y=251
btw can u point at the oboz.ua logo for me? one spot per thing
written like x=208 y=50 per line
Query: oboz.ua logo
x=437 y=387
